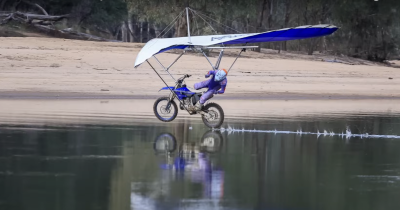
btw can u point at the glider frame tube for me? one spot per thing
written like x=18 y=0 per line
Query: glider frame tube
x=244 y=49
x=233 y=47
x=167 y=69
x=221 y=54
x=207 y=59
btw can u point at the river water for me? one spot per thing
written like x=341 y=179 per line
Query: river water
x=334 y=163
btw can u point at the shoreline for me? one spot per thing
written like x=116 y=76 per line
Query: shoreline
x=105 y=111
x=30 y=95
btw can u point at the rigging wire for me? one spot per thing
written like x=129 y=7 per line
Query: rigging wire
x=203 y=15
x=204 y=21
x=263 y=29
x=171 y=24
x=197 y=25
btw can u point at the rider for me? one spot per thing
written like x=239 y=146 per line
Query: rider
x=216 y=85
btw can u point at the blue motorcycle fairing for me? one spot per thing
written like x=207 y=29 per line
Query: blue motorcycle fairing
x=182 y=92
x=167 y=88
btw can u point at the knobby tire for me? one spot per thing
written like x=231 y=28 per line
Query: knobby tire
x=175 y=107
x=221 y=117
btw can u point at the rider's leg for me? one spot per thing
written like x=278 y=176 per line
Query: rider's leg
x=206 y=96
x=202 y=84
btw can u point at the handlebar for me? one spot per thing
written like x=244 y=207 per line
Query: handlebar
x=180 y=80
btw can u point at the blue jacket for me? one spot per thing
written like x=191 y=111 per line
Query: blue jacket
x=221 y=86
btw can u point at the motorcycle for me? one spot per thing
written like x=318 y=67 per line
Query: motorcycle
x=166 y=109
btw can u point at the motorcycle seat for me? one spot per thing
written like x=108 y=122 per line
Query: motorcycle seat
x=194 y=90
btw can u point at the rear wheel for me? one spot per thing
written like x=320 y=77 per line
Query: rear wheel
x=165 y=110
x=211 y=141
x=214 y=115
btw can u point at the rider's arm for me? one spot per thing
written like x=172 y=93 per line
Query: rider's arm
x=223 y=86
x=210 y=73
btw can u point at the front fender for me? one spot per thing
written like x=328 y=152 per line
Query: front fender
x=167 y=88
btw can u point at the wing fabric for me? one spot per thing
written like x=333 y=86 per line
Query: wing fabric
x=156 y=46
x=285 y=35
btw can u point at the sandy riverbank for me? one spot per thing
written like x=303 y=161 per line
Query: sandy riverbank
x=51 y=67
x=96 y=82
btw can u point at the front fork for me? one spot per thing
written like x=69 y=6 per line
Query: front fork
x=171 y=98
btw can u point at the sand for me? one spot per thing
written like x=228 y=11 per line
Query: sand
x=34 y=65
x=33 y=68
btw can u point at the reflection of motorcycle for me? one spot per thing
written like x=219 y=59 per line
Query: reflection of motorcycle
x=210 y=142
x=192 y=162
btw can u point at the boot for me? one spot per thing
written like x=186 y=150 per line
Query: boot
x=198 y=106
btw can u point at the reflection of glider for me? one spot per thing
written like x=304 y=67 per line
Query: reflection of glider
x=212 y=114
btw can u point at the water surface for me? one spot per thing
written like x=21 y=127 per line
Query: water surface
x=183 y=165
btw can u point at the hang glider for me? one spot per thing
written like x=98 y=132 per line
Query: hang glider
x=156 y=46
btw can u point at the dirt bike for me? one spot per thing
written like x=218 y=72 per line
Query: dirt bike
x=166 y=109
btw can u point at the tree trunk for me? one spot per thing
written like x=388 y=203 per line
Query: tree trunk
x=145 y=27
x=247 y=24
x=349 y=44
x=141 y=32
x=3 y=4
x=270 y=4
x=152 y=31
x=130 y=29
x=260 y=19
x=15 y=5
x=181 y=26
x=312 y=44
x=124 y=32
x=288 y=11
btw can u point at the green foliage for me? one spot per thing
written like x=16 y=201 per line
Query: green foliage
x=107 y=12
x=368 y=29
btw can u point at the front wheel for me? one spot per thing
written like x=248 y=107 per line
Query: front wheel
x=214 y=115
x=165 y=110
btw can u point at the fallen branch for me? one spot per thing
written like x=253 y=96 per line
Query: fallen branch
x=44 y=23
x=38 y=6
x=85 y=36
x=7 y=19
x=2 y=15
x=30 y=17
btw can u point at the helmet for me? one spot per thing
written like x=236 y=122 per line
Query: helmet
x=220 y=75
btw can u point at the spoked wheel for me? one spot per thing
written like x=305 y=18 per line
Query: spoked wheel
x=214 y=115
x=165 y=142
x=165 y=110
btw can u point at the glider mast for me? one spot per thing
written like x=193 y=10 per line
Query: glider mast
x=188 y=24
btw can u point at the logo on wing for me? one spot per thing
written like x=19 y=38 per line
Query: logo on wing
x=226 y=37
